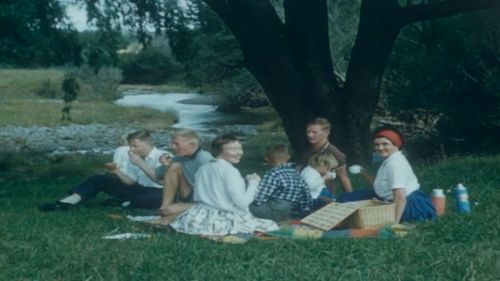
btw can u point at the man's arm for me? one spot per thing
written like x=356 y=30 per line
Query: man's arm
x=114 y=169
x=139 y=162
x=344 y=178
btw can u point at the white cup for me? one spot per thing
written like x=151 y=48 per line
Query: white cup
x=355 y=169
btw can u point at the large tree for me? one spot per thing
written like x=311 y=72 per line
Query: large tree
x=286 y=46
x=290 y=57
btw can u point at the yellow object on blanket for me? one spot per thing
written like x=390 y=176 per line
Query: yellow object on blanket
x=307 y=233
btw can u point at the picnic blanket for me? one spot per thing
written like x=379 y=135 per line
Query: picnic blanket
x=297 y=230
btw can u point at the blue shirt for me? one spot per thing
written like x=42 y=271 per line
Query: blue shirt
x=284 y=182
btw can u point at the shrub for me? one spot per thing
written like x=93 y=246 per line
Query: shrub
x=46 y=89
x=102 y=85
x=151 y=66
x=239 y=92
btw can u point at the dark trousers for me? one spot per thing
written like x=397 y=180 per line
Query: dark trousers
x=273 y=209
x=138 y=195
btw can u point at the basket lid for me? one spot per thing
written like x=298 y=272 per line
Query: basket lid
x=330 y=215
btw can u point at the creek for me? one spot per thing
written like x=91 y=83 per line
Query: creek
x=194 y=111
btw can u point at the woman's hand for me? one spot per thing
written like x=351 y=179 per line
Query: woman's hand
x=253 y=177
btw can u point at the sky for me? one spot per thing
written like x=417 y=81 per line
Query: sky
x=77 y=16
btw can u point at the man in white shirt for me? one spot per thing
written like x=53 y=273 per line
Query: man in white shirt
x=136 y=184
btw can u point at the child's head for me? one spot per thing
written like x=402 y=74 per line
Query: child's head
x=277 y=154
x=323 y=162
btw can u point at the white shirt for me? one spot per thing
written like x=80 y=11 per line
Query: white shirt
x=314 y=181
x=219 y=184
x=135 y=173
x=395 y=172
x=121 y=159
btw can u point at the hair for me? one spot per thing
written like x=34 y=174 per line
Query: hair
x=377 y=131
x=277 y=152
x=219 y=142
x=326 y=159
x=323 y=122
x=188 y=134
x=142 y=135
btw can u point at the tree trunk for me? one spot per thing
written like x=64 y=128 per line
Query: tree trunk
x=378 y=28
x=292 y=61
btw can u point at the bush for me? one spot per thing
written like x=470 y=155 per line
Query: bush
x=455 y=76
x=239 y=92
x=102 y=85
x=151 y=66
x=46 y=89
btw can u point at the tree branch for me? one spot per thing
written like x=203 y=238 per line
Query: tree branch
x=253 y=23
x=443 y=9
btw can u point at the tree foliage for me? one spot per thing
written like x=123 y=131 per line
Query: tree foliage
x=36 y=33
x=452 y=69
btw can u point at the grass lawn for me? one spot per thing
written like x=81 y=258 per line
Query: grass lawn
x=69 y=245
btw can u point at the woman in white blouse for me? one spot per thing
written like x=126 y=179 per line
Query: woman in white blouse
x=222 y=196
x=395 y=180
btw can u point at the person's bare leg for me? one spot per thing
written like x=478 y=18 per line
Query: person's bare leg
x=185 y=188
x=174 y=182
x=171 y=212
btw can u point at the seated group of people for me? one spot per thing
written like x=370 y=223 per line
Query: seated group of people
x=198 y=192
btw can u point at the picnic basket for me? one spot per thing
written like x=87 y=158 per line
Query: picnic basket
x=371 y=214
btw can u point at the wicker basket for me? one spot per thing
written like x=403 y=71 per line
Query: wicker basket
x=372 y=214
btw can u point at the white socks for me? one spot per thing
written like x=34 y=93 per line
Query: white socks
x=72 y=199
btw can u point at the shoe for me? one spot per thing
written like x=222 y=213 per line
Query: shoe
x=57 y=206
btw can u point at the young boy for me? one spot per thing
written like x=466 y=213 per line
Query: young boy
x=281 y=190
x=319 y=170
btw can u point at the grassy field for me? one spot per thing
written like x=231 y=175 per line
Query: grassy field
x=69 y=245
x=19 y=105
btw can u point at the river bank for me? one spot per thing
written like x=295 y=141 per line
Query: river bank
x=193 y=111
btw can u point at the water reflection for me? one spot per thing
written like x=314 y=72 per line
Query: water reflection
x=195 y=111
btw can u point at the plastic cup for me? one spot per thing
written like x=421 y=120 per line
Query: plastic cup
x=355 y=169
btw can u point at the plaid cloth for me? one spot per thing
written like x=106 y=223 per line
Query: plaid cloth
x=284 y=182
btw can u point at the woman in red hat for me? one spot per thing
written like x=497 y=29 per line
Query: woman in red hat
x=395 y=180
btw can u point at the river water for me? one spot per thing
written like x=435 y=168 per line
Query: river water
x=196 y=116
x=194 y=111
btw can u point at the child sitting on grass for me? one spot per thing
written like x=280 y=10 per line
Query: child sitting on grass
x=319 y=170
x=282 y=190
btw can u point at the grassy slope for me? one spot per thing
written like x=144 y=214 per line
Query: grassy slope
x=69 y=246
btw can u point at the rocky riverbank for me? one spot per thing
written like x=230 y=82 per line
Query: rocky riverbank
x=194 y=111
x=95 y=138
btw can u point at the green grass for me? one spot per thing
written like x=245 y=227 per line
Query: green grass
x=69 y=245
x=22 y=83
x=48 y=113
x=20 y=106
